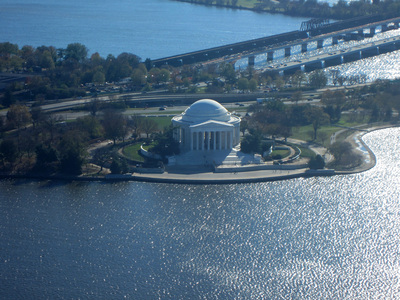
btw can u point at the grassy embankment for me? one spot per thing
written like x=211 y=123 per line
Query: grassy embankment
x=325 y=132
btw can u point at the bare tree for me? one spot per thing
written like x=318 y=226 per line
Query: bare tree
x=149 y=126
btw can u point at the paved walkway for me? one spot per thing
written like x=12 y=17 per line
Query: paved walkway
x=203 y=176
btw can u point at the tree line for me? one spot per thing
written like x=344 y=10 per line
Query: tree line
x=273 y=119
x=310 y=8
x=32 y=140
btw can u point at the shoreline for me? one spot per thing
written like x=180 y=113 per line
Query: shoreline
x=199 y=175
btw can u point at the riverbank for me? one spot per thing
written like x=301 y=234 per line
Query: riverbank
x=205 y=175
x=338 y=11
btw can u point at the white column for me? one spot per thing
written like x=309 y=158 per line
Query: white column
x=208 y=140
x=226 y=139
x=230 y=140
x=191 y=141
x=214 y=140
x=219 y=140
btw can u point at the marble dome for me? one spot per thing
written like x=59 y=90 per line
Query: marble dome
x=204 y=110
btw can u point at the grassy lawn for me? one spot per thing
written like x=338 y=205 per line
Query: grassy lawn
x=324 y=133
x=132 y=152
x=281 y=153
x=247 y=3
x=305 y=152
x=162 y=121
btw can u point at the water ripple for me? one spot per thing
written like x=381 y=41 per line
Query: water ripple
x=316 y=238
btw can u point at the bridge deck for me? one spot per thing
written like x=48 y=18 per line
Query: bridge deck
x=270 y=43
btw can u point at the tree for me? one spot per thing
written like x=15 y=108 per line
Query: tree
x=253 y=85
x=318 y=79
x=115 y=167
x=344 y=154
x=243 y=84
x=8 y=151
x=47 y=61
x=228 y=71
x=244 y=125
x=279 y=82
x=94 y=106
x=164 y=75
x=8 y=98
x=298 y=78
x=136 y=123
x=149 y=126
x=96 y=60
x=46 y=157
x=72 y=152
x=165 y=144
x=297 y=96
x=251 y=143
x=317 y=117
x=37 y=115
x=76 y=51
x=138 y=77
x=90 y=125
x=114 y=124
x=340 y=149
x=316 y=162
x=18 y=116
x=336 y=98
x=50 y=124
x=119 y=165
x=99 y=77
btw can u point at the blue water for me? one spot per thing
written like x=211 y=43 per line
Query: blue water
x=149 y=29
x=318 y=238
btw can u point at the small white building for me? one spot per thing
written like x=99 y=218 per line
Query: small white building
x=206 y=126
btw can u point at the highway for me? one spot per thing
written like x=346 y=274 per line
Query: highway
x=264 y=50
x=337 y=54
x=152 y=99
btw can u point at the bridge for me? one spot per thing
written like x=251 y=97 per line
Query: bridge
x=338 y=57
x=351 y=29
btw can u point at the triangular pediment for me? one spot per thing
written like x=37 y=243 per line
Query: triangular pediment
x=210 y=126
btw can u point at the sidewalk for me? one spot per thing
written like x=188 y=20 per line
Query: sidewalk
x=201 y=175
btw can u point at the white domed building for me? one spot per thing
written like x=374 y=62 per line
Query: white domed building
x=208 y=134
x=206 y=125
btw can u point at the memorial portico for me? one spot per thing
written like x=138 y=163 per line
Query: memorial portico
x=207 y=126
x=208 y=135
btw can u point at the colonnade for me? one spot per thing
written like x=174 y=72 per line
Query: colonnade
x=211 y=140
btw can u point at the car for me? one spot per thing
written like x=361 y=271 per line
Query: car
x=161 y=108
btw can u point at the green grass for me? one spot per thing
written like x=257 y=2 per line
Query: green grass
x=305 y=133
x=247 y=3
x=162 y=121
x=306 y=152
x=132 y=152
x=282 y=153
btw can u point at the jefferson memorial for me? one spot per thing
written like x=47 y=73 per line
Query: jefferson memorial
x=208 y=134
